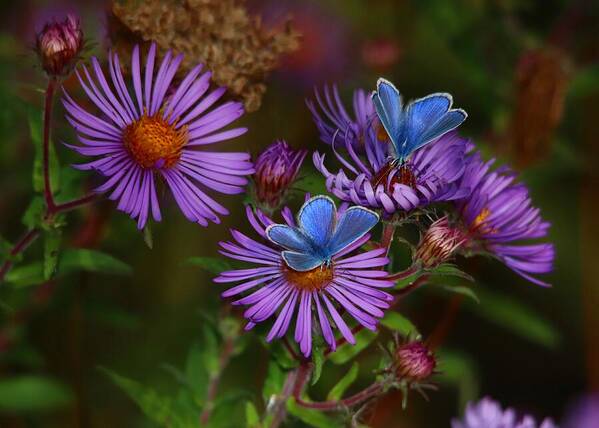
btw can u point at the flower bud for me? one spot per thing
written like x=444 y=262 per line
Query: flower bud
x=439 y=243
x=58 y=46
x=276 y=169
x=414 y=361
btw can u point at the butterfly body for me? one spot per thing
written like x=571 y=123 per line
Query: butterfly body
x=320 y=234
x=421 y=122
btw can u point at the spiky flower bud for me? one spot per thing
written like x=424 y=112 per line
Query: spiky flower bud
x=276 y=169
x=439 y=243
x=414 y=361
x=58 y=45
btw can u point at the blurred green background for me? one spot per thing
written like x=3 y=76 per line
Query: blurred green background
x=526 y=72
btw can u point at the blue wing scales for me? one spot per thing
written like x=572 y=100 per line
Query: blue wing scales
x=317 y=219
x=355 y=223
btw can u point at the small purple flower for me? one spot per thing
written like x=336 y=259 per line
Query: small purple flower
x=499 y=219
x=335 y=123
x=143 y=135
x=489 y=414
x=58 y=45
x=430 y=175
x=277 y=168
x=439 y=243
x=351 y=284
x=414 y=361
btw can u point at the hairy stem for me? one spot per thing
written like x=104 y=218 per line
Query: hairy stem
x=51 y=88
x=387 y=236
x=223 y=361
x=75 y=203
x=279 y=409
x=366 y=394
x=19 y=247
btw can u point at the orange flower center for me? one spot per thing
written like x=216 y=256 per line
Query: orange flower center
x=312 y=280
x=153 y=142
x=479 y=224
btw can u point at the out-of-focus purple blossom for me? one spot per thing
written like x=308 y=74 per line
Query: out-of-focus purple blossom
x=277 y=168
x=431 y=174
x=146 y=136
x=351 y=285
x=380 y=54
x=583 y=414
x=487 y=413
x=58 y=45
x=335 y=124
x=500 y=219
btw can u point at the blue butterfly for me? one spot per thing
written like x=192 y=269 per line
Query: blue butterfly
x=320 y=235
x=419 y=123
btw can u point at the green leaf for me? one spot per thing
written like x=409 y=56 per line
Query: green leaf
x=311 y=183
x=459 y=370
x=312 y=417
x=347 y=351
x=35 y=212
x=92 y=261
x=26 y=275
x=195 y=372
x=273 y=384
x=210 y=264
x=345 y=382
x=448 y=269
x=157 y=407
x=317 y=359
x=281 y=355
x=397 y=322
x=210 y=351
x=52 y=240
x=32 y=393
x=509 y=313
x=5 y=248
x=252 y=419
x=148 y=237
x=463 y=290
x=36 y=132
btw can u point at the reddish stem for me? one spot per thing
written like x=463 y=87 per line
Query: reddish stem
x=294 y=386
x=223 y=360
x=75 y=203
x=19 y=247
x=387 y=236
x=332 y=405
x=49 y=198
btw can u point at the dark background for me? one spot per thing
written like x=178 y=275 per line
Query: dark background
x=527 y=74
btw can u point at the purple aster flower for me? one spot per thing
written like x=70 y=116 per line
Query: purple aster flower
x=335 y=122
x=414 y=361
x=584 y=413
x=499 y=219
x=58 y=45
x=351 y=285
x=439 y=243
x=143 y=135
x=276 y=169
x=489 y=414
x=431 y=174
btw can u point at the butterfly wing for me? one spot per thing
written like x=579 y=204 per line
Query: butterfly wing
x=289 y=238
x=301 y=261
x=429 y=118
x=354 y=224
x=389 y=108
x=317 y=219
